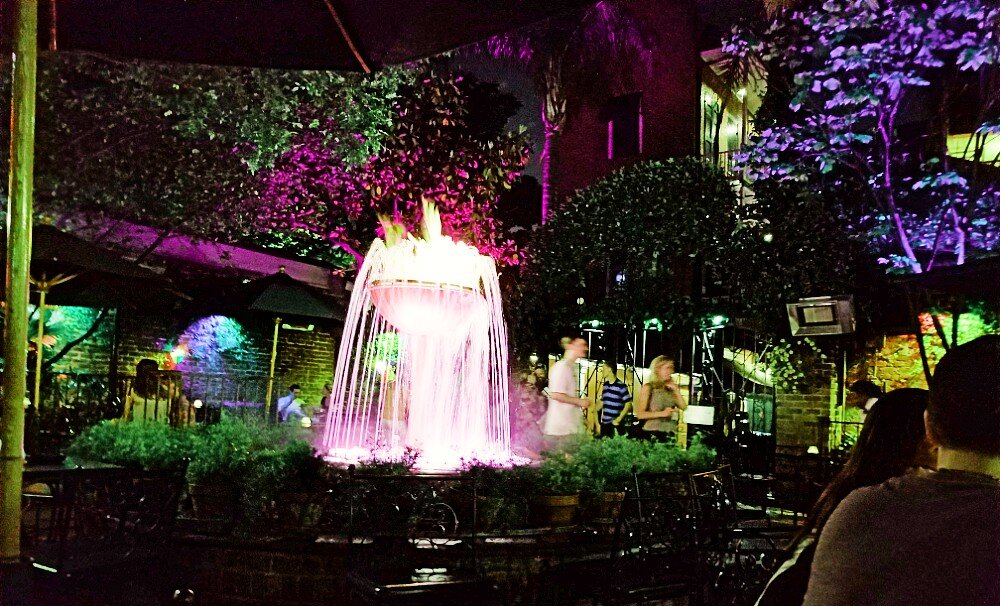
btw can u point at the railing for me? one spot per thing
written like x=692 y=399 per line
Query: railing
x=71 y=402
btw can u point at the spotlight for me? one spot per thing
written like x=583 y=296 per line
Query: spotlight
x=197 y=403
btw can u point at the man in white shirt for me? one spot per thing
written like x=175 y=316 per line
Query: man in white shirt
x=864 y=394
x=564 y=416
x=289 y=406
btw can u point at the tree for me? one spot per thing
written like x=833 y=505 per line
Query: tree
x=565 y=55
x=444 y=145
x=618 y=244
x=864 y=77
x=167 y=145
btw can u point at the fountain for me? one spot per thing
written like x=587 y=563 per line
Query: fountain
x=422 y=362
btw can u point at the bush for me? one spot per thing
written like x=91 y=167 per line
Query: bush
x=152 y=446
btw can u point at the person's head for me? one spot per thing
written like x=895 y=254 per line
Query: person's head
x=964 y=409
x=610 y=371
x=327 y=389
x=294 y=389
x=661 y=368
x=859 y=392
x=891 y=441
x=574 y=348
x=145 y=375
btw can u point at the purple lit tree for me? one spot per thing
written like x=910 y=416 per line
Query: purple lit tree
x=438 y=148
x=565 y=56
x=878 y=91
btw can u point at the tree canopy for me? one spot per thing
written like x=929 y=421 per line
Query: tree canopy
x=874 y=90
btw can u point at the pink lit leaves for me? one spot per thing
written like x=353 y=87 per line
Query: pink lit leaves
x=432 y=151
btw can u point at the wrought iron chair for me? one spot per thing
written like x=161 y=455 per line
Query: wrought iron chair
x=739 y=556
x=412 y=540
x=78 y=520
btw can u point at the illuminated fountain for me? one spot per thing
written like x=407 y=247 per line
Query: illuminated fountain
x=423 y=359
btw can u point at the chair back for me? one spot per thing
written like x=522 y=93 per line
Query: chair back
x=414 y=516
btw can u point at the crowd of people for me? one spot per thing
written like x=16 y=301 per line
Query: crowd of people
x=913 y=517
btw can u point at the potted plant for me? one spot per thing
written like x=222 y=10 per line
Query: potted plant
x=558 y=483
x=608 y=463
x=285 y=478
x=219 y=459
x=502 y=502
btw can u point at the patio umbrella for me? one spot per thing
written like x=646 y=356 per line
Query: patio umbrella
x=281 y=297
x=58 y=258
x=356 y=35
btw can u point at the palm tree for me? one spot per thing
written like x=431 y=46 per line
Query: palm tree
x=565 y=55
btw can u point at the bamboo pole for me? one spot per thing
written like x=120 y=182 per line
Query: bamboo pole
x=15 y=334
x=270 y=372
x=39 y=348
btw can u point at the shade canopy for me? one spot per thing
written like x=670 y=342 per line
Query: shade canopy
x=296 y=34
x=55 y=251
x=280 y=295
x=101 y=278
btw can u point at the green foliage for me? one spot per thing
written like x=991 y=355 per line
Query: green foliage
x=872 y=92
x=227 y=449
x=643 y=222
x=154 y=446
x=447 y=143
x=560 y=475
x=593 y=466
x=793 y=244
x=609 y=461
x=797 y=366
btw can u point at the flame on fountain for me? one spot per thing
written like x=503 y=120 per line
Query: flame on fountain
x=442 y=389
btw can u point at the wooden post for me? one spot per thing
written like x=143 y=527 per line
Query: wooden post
x=15 y=334
x=270 y=372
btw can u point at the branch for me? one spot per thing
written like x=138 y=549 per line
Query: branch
x=69 y=346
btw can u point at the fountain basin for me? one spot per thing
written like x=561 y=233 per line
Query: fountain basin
x=425 y=308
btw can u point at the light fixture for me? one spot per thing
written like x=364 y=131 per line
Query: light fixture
x=197 y=403
x=769 y=237
x=533 y=359
x=306 y=422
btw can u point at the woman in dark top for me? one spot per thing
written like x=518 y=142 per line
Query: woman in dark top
x=891 y=442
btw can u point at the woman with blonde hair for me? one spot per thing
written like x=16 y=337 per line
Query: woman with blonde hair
x=660 y=400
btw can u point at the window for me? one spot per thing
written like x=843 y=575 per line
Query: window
x=623 y=115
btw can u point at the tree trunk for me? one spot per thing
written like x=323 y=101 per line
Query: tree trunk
x=15 y=334
x=550 y=136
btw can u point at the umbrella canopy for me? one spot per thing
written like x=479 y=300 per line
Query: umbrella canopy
x=281 y=295
x=297 y=34
x=56 y=252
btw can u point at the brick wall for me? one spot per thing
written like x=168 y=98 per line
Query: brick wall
x=215 y=345
x=798 y=418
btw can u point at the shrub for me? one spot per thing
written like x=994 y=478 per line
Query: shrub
x=153 y=446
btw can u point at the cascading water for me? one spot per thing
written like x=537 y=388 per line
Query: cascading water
x=423 y=359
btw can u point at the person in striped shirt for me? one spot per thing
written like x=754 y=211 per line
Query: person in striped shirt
x=615 y=401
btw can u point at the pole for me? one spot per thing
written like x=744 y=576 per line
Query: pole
x=270 y=373
x=39 y=350
x=15 y=334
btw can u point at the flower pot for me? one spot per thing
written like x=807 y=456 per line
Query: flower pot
x=213 y=500
x=556 y=510
x=607 y=506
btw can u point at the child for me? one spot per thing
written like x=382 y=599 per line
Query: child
x=615 y=401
